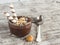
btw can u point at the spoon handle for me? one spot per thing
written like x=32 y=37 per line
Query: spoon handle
x=38 y=39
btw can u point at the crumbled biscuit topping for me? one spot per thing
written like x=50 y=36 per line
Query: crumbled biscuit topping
x=21 y=21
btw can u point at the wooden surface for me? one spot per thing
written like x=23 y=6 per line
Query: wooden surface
x=50 y=30
x=7 y=1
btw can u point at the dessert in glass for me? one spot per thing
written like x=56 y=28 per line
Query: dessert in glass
x=21 y=27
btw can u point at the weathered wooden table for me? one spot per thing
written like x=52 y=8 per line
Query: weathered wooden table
x=50 y=29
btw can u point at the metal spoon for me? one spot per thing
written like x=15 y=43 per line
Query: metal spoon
x=38 y=21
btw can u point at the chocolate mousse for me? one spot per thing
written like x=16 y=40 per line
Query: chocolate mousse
x=21 y=27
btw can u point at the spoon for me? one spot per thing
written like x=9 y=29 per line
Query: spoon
x=38 y=21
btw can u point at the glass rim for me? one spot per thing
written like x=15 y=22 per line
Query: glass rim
x=18 y=25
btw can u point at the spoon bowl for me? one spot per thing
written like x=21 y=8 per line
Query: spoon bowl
x=37 y=20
